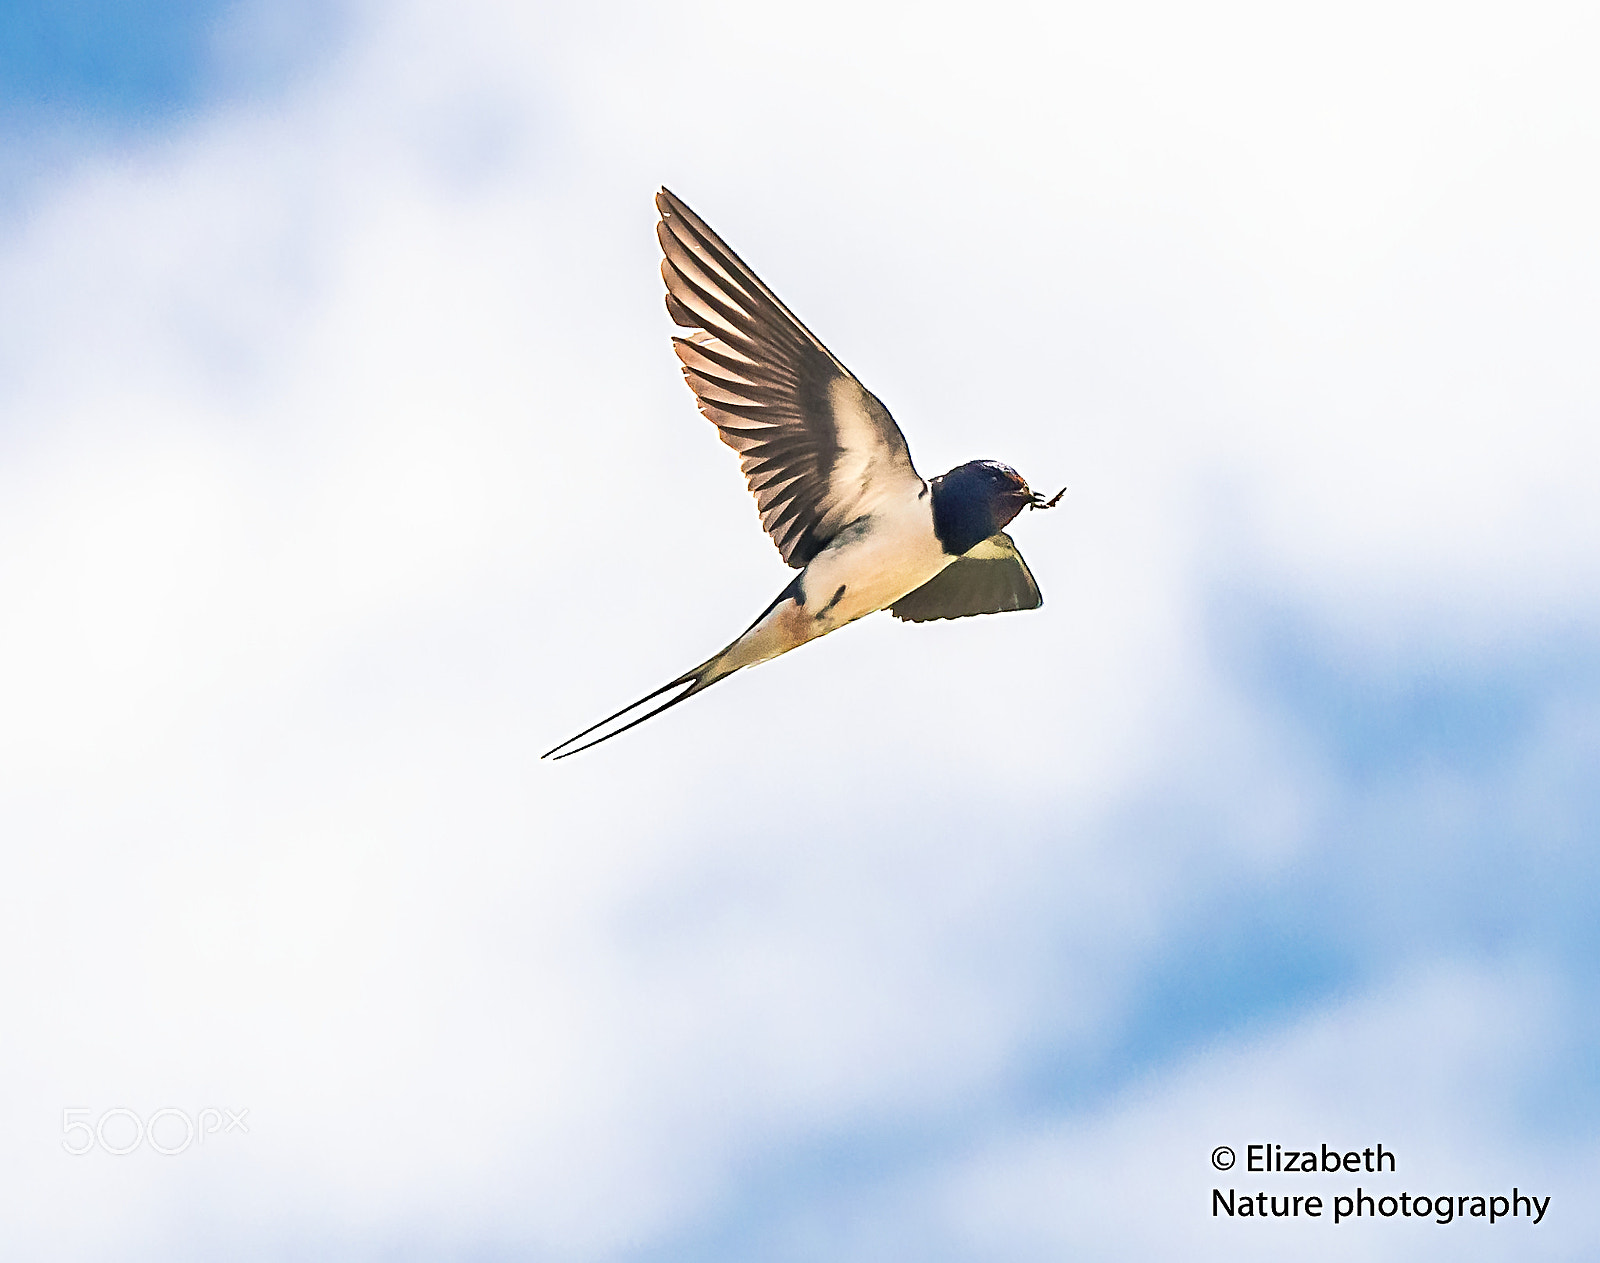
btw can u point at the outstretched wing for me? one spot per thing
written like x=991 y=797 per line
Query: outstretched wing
x=989 y=579
x=817 y=448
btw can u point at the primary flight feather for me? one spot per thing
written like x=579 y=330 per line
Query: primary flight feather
x=830 y=472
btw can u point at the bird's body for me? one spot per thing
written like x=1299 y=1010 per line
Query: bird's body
x=867 y=567
x=831 y=474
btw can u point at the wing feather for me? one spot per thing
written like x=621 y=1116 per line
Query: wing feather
x=818 y=449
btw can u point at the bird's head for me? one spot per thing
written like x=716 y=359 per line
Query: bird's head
x=973 y=501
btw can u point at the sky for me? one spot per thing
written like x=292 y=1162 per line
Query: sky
x=345 y=467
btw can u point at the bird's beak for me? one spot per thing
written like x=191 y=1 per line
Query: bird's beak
x=1037 y=501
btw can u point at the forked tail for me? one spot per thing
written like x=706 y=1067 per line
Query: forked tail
x=697 y=681
x=771 y=634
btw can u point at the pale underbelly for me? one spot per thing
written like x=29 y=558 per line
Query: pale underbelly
x=842 y=586
x=855 y=577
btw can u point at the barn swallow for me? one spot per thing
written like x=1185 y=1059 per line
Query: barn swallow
x=830 y=472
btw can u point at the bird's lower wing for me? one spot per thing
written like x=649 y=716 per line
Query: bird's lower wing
x=990 y=579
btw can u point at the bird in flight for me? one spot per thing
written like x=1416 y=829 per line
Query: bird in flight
x=831 y=475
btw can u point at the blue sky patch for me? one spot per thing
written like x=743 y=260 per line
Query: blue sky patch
x=144 y=63
x=78 y=77
x=123 y=60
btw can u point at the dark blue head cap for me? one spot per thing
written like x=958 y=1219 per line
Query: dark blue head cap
x=973 y=501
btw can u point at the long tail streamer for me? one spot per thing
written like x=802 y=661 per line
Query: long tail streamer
x=697 y=681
